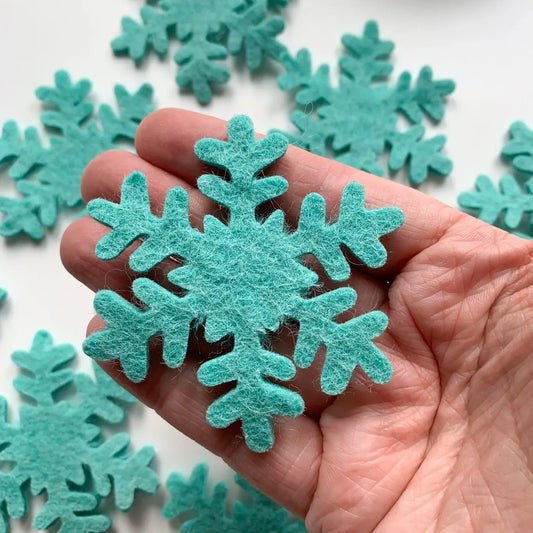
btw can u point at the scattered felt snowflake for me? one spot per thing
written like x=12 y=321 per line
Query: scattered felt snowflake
x=512 y=199
x=243 y=279
x=204 y=513
x=208 y=31
x=358 y=119
x=57 y=446
x=48 y=178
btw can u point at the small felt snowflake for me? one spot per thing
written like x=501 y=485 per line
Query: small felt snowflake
x=358 y=119
x=243 y=279
x=206 y=514
x=208 y=31
x=511 y=199
x=58 y=448
x=48 y=178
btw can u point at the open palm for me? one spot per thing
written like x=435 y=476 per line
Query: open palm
x=447 y=444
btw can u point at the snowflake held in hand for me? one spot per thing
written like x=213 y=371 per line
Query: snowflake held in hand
x=208 y=31
x=57 y=169
x=58 y=447
x=242 y=279
x=359 y=118
x=511 y=198
x=208 y=513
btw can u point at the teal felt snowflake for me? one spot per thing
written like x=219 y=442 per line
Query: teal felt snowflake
x=48 y=178
x=506 y=205
x=57 y=446
x=208 y=31
x=242 y=280
x=358 y=120
x=208 y=513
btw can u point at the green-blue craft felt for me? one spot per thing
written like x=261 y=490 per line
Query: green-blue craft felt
x=57 y=446
x=208 y=30
x=48 y=178
x=242 y=278
x=358 y=120
x=205 y=513
x=513 y=196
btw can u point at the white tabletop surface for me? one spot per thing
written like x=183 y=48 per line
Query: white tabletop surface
x=486 y=46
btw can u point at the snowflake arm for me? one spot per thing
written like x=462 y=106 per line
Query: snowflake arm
x=356 y=228
x=520 y=147
x=423 y=155
x=99 y=397
x=368 y=55
x=69 y=99
x=254 y=31
x=129 y=473
x=248 y=364
x=65 y=509
x=190 y=496
x=426 y=97
x=347 y=345
x=27 y=154
x=132 y=328
x=491 y=202
x=45 y=362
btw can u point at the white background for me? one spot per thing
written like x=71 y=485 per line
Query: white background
x=486 y=46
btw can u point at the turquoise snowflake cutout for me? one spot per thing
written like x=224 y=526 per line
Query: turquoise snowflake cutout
x=359 y=119
x=48 y=178
x=242 y=279
x=506 y=206
x=208 y=31
x=207 y=513
x=58 y=447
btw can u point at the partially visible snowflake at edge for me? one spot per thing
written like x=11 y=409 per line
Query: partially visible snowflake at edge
x=357 y=121
x=243 y=278
x=48 y=177
x=57 y=447
x=208 y=30
x=200 y=511
x=506 y=204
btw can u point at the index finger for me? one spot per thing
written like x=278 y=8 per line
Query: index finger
x=167 y=137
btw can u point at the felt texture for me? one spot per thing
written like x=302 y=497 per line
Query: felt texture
x=57 y=446
x=356 y=121
x=506 y=204
x=208 y=30
x=48 y=178
x=207 y=513
x=242 y=279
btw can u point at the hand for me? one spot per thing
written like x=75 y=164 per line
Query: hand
x=447 y=444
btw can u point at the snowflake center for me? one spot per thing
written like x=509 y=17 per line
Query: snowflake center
x=248 y=276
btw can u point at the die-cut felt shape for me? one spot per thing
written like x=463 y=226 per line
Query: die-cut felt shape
x=506 y=205
x=205 y=513
x=48 y=178
x=242 y=279
x=57 y=447
x=208 y=30
x=358 y=120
